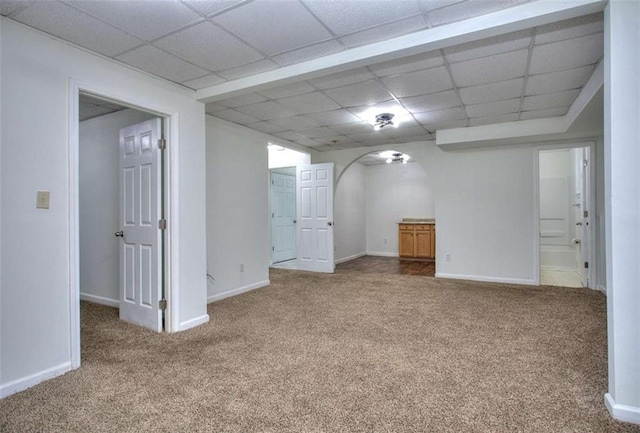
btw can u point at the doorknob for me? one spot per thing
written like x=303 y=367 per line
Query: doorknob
x=295 y=221
x=119 y=234
x=329 y=223
x=579 y=223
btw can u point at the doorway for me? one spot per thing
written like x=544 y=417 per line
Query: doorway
x=283 y=214
x=564 y=203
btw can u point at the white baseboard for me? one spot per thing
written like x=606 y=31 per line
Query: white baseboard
x=373 y=253
x=530 y=282
x=32 y=380
x=100 y=300
x=238 y=291
x=622 y=412
x=601 y=288
x=194 y=322
x=557 y=268
x=346 y=259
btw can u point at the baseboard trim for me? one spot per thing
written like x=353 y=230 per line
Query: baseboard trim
x=622 y=412
x=487 y=279
x=238 y=291
x=346 y=259
x=557 y=268
x=197 y=321
x=373 y=253
x=99 y=300
x=34 y=379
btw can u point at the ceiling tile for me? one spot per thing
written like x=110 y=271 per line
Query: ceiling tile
x=568 y=29
x=437 y=116
x=342 y=79
x=309 y=103
x=77 y=27
x=344 y=17
x=567 y=54
x=550 y=100
x=210 y=47
x=239 y=101
x=335 y=140
x=543 y=114
x=353 y=128
x=370 y=138
x=478 y=121
x=323 y=148
x=274 y=26
x=494 y=108
x=419 y=82
x=212 y=107
x=429 y=5
x=290 y=135
x=249 y=69
x=206 y=81
x=488 y=47
x=308 y=142
x=490 y=69
x=309 y=52
x=558 y=81
x=408 y=64
x=11 y=6
x=425 y=136
x=295 y=123
x=321 y=131
x=368 y=92
x=468 y=9
x=335 y=117
x=149 y=58
x=435 y=101
x=402 y=131
x=210 y=7
x=384 y=32
x=492 y=92
x=447 y=125
x=126 y=15
x=288 y=90
x=266 y=110
x=235 y=116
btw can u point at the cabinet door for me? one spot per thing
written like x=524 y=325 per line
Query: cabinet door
x=433 y=241
x=423 y=243
x=406 y=241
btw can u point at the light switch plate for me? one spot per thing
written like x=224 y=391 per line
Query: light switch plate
x=42 y=200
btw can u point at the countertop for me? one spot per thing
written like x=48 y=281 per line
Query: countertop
x=417 y=221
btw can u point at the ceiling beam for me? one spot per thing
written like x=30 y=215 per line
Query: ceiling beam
x=527 y=15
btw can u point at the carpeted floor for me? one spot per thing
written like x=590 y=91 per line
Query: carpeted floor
x=348 y=352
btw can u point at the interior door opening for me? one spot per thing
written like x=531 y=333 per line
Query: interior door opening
x=565 y=217
x=112 y=197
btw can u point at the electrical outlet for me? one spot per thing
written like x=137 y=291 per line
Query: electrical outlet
x=242 y=267
x=447 y=257
x=42 y=200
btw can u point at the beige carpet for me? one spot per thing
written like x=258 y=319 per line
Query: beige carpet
x=349 y=352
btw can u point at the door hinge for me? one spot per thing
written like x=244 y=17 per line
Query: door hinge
x=272 y=182
x=273 y=248
x=585 y=163
x=162 y=304
x=586 y=265
x=162 y=144
x=162 y=224
x=586 y=214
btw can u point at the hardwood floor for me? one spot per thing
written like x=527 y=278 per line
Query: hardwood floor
x=388 y=265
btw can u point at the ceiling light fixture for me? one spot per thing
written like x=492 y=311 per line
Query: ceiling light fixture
x=382 y=120
x=398 y=157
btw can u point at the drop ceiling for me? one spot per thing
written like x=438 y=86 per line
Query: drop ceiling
x=531 y=73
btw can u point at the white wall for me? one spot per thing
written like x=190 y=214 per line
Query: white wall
x=237 y=208
x=395 y=191
x=36 y=243
x=350 y=216
x=287 y=158
x=99 y=204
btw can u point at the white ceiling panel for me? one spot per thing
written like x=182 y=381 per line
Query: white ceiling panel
x=408 y=64
x=384 y=32
x=213 y=107
x=368 y=92
x=295 y=123
x=404 y=131
x=429 y=5
x=288 y=90
x=309 y=103
x=125 y=15
x=348 y=16
x=426 y=136
x=239 y=101
x=210 y=7
x=74 y=26
x=550 y=100
x=290 y=135
x=353 y=128
x=492 y=92
x=478 y=121
x=267 y=127
x=321 y=131
x=309 y=142
x=419 y=82
x=543 y=114
x=323 y=148
x=268 y=26
x=488 y=47
x=309 y=52
x=467 y=9
x=558 y=81
x=494 y=108
x=335 y=140
x=210 y=47
x=10 y=6
x=436 y=101
x=342 y=79
x=150 y=58
x=335 y=117
x=439 y=116
x=372 y=138
x=206 y=81
x=249 y=69
x=490 y=69
x=570 y=29
x=266 y=110
x=567 y=54
x=447 y=125
x=235 y=116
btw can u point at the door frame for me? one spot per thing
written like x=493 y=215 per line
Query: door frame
x=170 y=192
x=591 y=271
x=271 y=172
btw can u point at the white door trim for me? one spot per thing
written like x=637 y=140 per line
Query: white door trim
x=171 y=177
x=592 y=210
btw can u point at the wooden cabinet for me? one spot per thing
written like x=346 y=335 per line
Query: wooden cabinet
x=417 y=241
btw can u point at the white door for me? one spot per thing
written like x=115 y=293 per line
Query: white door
x=283 y=217
x=140 y=204
x=583 y=218
x=314 y=202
